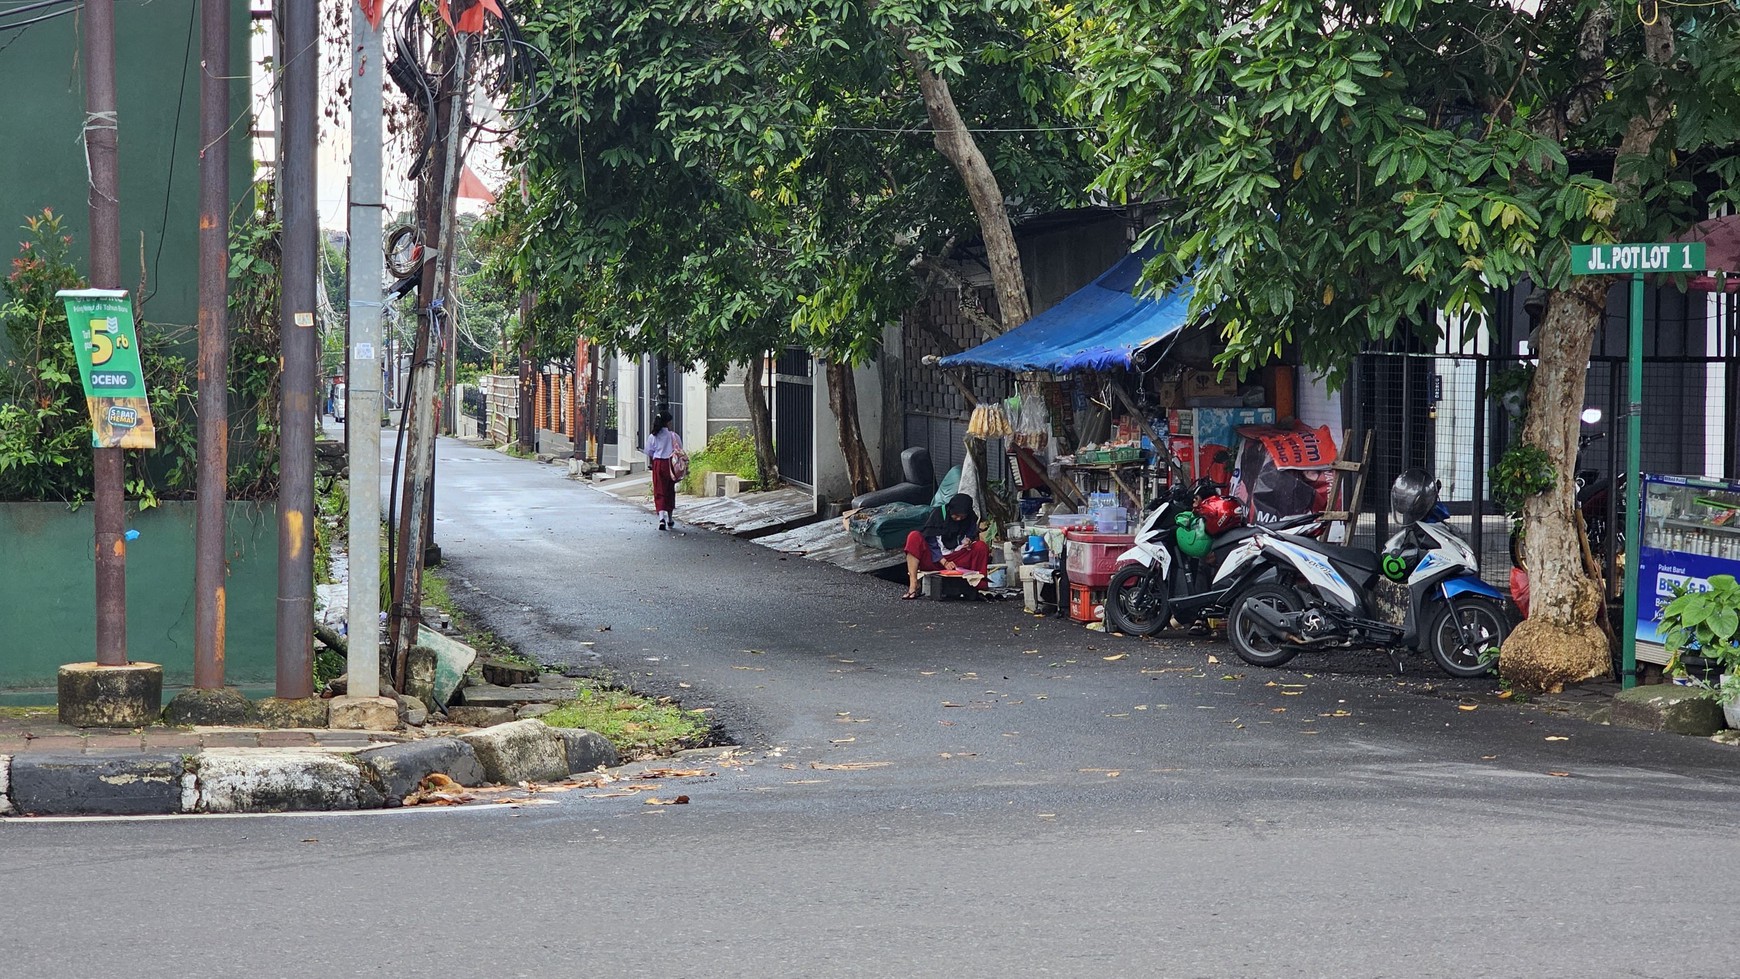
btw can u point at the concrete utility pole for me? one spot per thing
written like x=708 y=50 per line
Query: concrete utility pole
x=211 y=477
x=364 y=371
x=300 y=352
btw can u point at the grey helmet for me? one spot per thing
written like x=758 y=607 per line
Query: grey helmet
x=1413 y=495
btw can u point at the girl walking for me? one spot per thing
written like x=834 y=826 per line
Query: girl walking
x=662 y=446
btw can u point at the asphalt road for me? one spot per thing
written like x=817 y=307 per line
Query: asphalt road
x=1019 y=797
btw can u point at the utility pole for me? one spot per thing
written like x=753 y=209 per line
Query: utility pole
x=102 y=149
x=365 y=371
x=528 y=431
x=300 y=351
x=435 y=199
x=109 y=691
x=211 y=476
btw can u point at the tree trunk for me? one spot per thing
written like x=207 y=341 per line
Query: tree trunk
x=843 y=399
x=1560 y=641
x=760 y=422
x=955 y=143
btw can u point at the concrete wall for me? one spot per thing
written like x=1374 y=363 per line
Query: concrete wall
x=42 y=154
x=727 y=407
x=46 y=616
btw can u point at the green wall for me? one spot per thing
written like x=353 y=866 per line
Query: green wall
x=157 y=84
x=48 y=583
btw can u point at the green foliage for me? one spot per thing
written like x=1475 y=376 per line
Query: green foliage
x=711 y=179
x=45 y=427
x=255 y=259
x=728 y=451
x=1336 y=173
x=1707 y=623
x=1523 y=471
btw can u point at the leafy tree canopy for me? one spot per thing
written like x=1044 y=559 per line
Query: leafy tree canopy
x=1335 y=172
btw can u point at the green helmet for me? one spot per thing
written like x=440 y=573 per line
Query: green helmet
x=1192 y=536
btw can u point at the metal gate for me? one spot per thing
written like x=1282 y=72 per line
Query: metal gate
x=794 y=416
x=661 y=389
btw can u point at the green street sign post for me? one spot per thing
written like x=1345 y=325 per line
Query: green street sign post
x=1634 y=260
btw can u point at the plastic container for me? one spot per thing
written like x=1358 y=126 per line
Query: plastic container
x=1092 y=557
x=1110 y=519
x=1083 y=601
x=1060 y=521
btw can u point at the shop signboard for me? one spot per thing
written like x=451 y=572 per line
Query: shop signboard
x=1691 y=531
x=103 y=338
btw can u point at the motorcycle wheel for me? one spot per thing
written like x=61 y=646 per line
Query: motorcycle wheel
x=1481 y=617
x=1247 y=640
x=1133 y=609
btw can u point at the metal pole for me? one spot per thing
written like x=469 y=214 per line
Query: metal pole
x=364 y=371
x=1633 y=481
x=300 y=348
x=102 y=139
x=211 y=476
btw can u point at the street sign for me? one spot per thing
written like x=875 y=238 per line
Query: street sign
x=1677 y=256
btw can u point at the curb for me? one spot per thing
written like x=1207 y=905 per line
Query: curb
x=276 y=780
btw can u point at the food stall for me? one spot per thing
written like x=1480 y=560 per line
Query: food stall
x=1116 y=400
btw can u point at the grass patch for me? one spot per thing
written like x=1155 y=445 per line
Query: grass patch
x=33 y=712
x=637 y=725
x=728 y=451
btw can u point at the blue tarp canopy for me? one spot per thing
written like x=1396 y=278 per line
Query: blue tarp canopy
x=1097 y=327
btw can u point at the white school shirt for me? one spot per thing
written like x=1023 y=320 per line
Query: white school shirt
x=663 y=445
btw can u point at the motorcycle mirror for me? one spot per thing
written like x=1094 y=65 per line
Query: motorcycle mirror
x=1591 y=415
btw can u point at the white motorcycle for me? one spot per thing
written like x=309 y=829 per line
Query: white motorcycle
x=1424 y=592
x=1182 y=564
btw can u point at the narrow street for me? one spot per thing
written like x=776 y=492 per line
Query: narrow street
x=1018 y=797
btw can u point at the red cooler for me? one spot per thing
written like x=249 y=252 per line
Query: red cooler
x=1091 y=558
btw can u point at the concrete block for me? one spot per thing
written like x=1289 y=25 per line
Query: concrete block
x=534 y=710
x=363 y=714
x=733 y=484
x=399 y=767
x=224 y=707
x=506 y=674
x=282 y=780
x=5 y=792
x=110 y=696
x=554 y=690
x=279 y=713
x=94 y=785
x=1668 y=707
x=588 y=751
x=479 y=716
x=521 y=751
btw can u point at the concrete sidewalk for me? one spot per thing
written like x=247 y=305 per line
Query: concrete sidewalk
x=49 y=769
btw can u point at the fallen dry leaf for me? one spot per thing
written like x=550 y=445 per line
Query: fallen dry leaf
x=758 y=669
x=1505 y=694
x=1557 y=737
x=675 y=773
x=1214 y=659
x=957 y=754
x=681 y=800
x=1487 y=757
x=1467 y=706
x=1114 y=658
x=1291 y=693
x=311 y=840
x=806 y=781
x=1560 y=774
x=842 y=740
x=848 y=766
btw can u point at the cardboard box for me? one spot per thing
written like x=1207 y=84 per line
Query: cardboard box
x=1204 y=384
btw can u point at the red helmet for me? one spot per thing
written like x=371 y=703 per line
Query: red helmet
x=1220 y=514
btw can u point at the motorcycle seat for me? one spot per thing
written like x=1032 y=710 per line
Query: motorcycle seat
x=1357 y=557
x=1234 y=535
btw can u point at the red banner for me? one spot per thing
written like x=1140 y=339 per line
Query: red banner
x=470 y=14
x=1294 y=448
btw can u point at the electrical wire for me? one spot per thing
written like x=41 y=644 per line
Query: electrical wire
x=174 y=142
x=77 y=6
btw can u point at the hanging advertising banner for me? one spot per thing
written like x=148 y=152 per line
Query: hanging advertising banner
x=101 y=321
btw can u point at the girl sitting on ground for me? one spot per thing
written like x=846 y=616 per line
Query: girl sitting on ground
x=948 y=541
